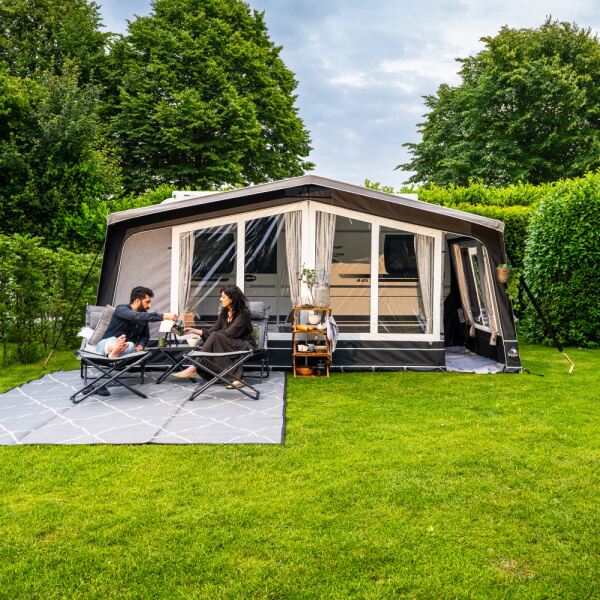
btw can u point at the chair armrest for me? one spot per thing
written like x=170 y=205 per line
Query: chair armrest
x=209 y=354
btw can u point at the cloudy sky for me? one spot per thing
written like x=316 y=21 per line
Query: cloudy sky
x=363 y=67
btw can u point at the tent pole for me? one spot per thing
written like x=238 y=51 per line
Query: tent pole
x=68 y=318
x=547 y=326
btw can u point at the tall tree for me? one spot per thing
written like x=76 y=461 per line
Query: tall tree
x=53 y=157
x=200 y=97
x=41 y=36
x=528 y=109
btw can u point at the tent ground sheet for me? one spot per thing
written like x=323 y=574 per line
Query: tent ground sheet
x=462 y=360
x=40 y=412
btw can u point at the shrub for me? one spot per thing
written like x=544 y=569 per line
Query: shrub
x=37 y=289
x=562 y=263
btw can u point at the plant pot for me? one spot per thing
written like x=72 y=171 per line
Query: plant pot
x=502 y=274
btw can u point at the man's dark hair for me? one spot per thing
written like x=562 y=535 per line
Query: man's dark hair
x=139 y=293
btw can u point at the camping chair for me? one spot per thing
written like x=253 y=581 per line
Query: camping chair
x=110 y=370
x=259 y=316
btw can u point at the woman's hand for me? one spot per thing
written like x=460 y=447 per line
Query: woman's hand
x=199 y=332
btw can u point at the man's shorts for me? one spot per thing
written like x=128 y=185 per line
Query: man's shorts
x=101 y=346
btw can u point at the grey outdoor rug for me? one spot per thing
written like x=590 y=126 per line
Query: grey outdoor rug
x=40 y=412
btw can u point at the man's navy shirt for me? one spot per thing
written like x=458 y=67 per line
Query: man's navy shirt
x=132 y=324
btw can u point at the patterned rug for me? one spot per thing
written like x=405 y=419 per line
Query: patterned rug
x=40 y=412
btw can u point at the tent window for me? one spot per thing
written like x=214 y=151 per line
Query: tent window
x=475 y=281
x=213 y=267
x=350 y=277
x=266 y=276
x=405 y=282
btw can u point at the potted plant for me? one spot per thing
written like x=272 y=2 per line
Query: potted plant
x=503 y=272
x=309 y=278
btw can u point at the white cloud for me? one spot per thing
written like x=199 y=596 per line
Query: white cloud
x=353 y=80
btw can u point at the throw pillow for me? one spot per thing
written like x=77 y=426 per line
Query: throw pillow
x=102 y=326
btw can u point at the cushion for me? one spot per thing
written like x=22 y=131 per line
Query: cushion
x=102 y=325
x=258 y=310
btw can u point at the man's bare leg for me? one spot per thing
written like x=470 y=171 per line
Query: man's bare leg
x=116 y=349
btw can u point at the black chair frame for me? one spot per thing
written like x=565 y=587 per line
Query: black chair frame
x=244 y=356
x=111 y=370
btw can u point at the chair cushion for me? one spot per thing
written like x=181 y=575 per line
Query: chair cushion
x=258 y=310
x=102 y=325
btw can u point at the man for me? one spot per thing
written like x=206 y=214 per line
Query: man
x=128 y=328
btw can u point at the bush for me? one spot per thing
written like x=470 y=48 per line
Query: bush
x=562 y=263
x=37 y=289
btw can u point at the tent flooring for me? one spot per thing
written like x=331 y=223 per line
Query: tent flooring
x=459 y=359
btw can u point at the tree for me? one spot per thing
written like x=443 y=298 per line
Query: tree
x=53 y=157
x=200 y=97
x=41 y=36
x=528 y=109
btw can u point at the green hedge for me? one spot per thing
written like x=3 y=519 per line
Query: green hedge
x=37 y=289
x=478 y=194
x=562 y=263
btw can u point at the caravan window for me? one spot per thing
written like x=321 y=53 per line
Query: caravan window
x=261 y=245
x=399 y=254
x=213 y=267
x=214 y=254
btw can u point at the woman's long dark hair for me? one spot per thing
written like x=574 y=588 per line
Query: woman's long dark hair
x=239 y=302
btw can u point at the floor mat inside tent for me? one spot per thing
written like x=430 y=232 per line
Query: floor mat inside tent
x=458 y=358
x=40 y=412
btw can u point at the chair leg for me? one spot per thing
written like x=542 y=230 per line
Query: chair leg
x=221 y=377
x=107 y=377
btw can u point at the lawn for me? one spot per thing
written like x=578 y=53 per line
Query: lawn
x=409 y=485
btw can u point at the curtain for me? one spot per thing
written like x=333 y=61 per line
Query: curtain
x=462 y=288
x=424 y=253
x=293 y=249
x=186 y=259
x=324 y=245
x=489 y=299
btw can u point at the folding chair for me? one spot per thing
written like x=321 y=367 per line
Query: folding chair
x=111 y=369
x=259 y=316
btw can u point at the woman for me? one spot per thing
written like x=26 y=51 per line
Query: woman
x=231 y=332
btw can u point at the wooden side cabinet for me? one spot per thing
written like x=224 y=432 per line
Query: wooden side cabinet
x=311 y=346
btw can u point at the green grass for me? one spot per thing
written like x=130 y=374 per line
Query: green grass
x=409 y=485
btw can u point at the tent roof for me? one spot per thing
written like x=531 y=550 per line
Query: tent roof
x=316 y=180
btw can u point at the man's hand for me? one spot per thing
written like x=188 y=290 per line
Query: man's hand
x=170 y=317
x=139 y=348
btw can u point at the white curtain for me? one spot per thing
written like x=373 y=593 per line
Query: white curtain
x=489 y=299
x=462 y=288
x=186 y=259
x=293 y=249
x=424 y=253
x=324 y=245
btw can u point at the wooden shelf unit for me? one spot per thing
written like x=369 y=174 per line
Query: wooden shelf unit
x=318 y=360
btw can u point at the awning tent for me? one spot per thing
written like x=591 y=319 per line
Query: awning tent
x=406 y=278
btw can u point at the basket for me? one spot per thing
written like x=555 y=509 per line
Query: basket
x=305 y=371
x=502 y=274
